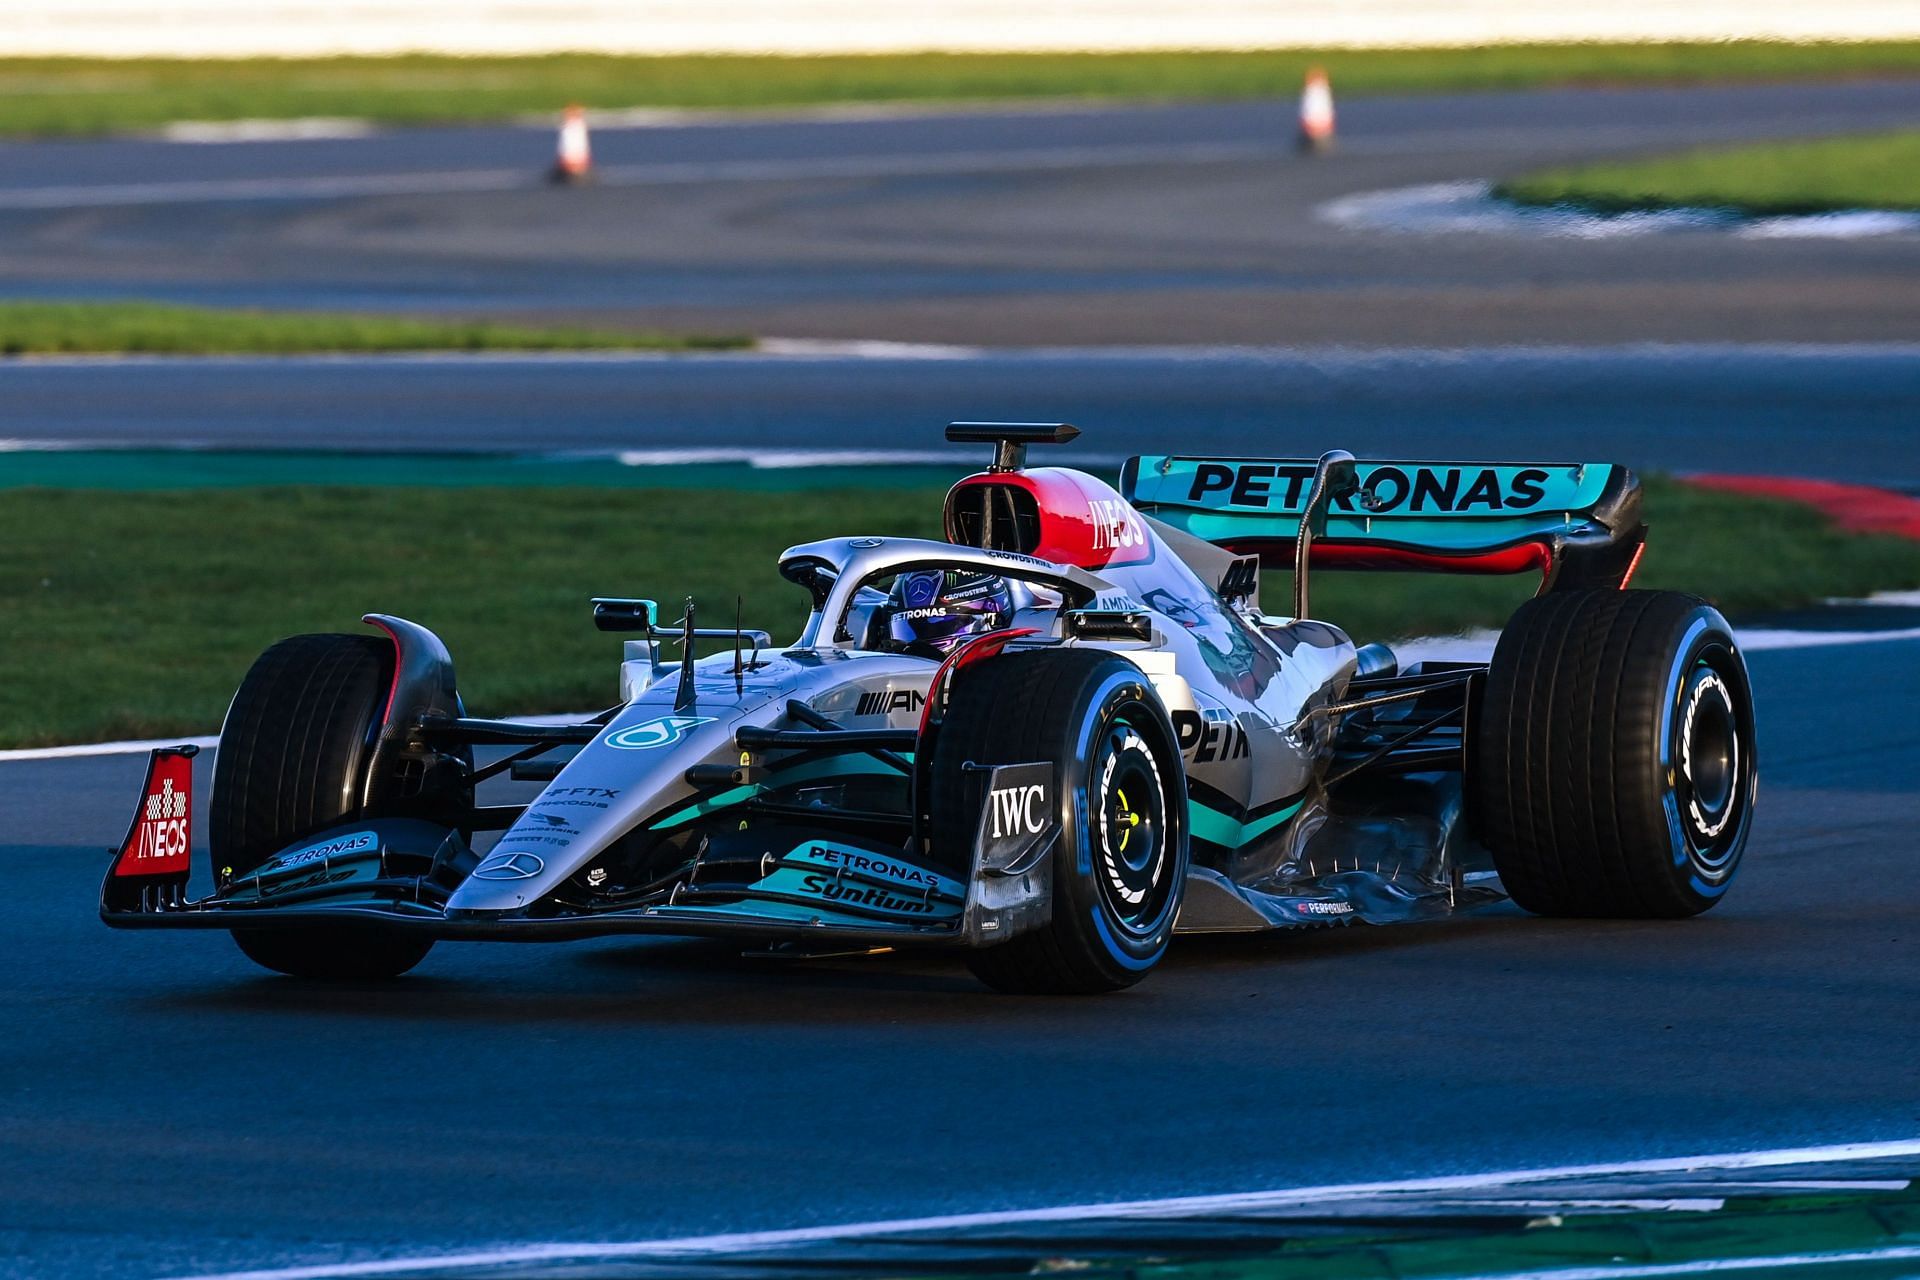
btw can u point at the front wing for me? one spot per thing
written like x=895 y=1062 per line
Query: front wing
x=400 y=872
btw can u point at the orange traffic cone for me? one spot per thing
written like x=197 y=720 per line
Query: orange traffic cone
x=1316 y=113
x=574 y=163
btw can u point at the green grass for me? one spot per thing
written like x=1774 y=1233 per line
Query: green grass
x=83 y=96
x=1879 y=171
x=135 y=614
x=38 y=328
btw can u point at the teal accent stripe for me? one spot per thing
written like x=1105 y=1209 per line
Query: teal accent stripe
x=720 y=800
x=1205 y=823
x=833 y=767
x=1217 y=828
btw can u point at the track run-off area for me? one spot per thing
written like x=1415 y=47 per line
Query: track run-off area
x=1064 y=225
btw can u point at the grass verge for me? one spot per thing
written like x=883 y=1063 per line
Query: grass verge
x=1877 y=171
x=54 y=96
x=43 y=328
x=135 y=614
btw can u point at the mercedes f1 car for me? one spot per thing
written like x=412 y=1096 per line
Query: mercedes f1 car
x=1051 y=741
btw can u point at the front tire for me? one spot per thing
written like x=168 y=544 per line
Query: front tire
x=1121 y=862
x=293 y=760
x=1614 y=771
x=334 y=953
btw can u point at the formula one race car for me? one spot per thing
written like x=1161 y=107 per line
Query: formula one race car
x=1052 y=741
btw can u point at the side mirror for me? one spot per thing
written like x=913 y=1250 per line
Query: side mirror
x=1337 y=476
x=625 y=615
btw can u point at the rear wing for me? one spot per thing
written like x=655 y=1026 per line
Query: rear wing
x=1577 y=524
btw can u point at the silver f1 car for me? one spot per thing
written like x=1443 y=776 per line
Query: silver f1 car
x=1052 y=741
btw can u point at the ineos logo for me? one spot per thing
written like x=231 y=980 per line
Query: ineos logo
x=1018 y=811
x=1114 y=525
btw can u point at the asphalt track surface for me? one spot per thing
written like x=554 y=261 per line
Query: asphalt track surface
x=1138 y=225
x=171 y=1110
x=1840 y=413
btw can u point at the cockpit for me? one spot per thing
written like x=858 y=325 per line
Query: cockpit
x=905 y=595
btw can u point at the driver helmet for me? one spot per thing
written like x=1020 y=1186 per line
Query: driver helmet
x=929 y=611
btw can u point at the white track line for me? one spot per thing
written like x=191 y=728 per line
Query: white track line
x=1899 y=599
x=1759 y=640
x=776 y=350
x=140 y=746
x=1716 y=1266
x=127 y=747
x=1471 y=207
x=1178 y=1207
x=326 y=128
x=299 y=129
x=1477 y=646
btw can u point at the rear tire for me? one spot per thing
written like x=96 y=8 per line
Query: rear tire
x=1120 y=865
x=293 y=760
x=1614 y=772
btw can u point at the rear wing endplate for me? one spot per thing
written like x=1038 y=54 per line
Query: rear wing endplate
x=1577 y=524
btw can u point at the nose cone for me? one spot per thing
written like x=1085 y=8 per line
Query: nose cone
x=621 y=779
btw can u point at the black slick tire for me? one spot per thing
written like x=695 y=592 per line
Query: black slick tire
x=1613 y=770
x=1121 y=862
x=293 y=760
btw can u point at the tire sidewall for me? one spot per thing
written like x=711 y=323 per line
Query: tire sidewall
x=1706 y=666
x=1127 y=949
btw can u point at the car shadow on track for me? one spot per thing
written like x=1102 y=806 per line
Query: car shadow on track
x=697 y=982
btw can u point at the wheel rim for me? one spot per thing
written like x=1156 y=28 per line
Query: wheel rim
x=1712 y=763
x=1131 y=837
